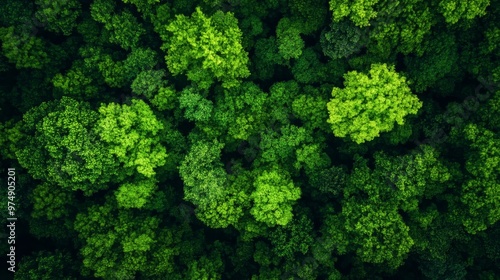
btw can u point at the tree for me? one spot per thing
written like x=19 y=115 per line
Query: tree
x=124 y=28
x=51 y=201
x=198 y=108
x=370 y=104
x=11 y=134
x=290 y=44
x=393 y=27
x=131 y=133
x=22 y=48
x=311 y=14
x=266 y=58
x=47 y=265
x=135 y=194
x=119 y=244
x=148 y=83
x=371 y=222
x=295 y=237
x=284 y=147
x=202 y=173
x=126 y=31
x=453 y=11
x=308 y=69
x=221 y=196
x=280 y=101
x=480 y=192
x=59 y=145
x=240 y=111
x=379 y=234
x=309 y=106
x=207 y=49
x=439 y=60
x=122 y=73
x=79 y=82
x=206 y=267
x=341 y=40
x=152 y=85
x=311 y=158
x=251 y=139
x=251 y=28
x=145 y=7
x=273 y=197
x=360 y=11
x=58 y=16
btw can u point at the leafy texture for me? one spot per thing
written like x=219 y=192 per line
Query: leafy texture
x=207 y=49
x=131 y=132
x=370 y=104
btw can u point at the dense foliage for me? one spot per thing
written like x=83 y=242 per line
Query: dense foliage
x=245 y=139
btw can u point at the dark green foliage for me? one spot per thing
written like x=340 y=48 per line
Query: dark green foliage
x=266 y=57
x=120 y=243
x=251 y=139
x=122 y=73
x=293 y=238
x=58 y=16
x=22 y=48
x=79 y=82
x=310 y=13
x=46 y=265
x=439 y=59
x=341 y=40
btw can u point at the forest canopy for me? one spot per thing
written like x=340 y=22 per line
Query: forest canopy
x=250 y=139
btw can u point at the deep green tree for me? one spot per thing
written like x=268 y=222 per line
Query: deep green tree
x=47 y=265
x=58 y=16
x=22 y=48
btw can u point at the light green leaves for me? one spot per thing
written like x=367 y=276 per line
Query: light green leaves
x=135 y=194
x=207 y=49
x=359 y=11
x=273 y=198
x=370 y=104
x=132 y=134
x=454 y=10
